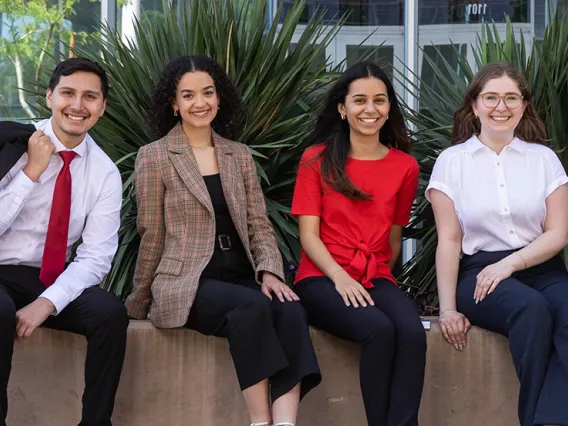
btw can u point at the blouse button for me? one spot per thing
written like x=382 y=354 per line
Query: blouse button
x=511 y=231
x=498 y=164
x=502 y=185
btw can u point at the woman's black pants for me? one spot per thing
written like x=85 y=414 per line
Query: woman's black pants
x=393 y=345
x=267 y=339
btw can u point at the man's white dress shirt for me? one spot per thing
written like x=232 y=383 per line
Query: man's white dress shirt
x=96 y=198
x=500 y=200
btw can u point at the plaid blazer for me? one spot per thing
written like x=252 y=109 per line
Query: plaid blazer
x=176 y=224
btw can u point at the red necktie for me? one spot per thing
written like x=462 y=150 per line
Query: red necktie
x=55 y=250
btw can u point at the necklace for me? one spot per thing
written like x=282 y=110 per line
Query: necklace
x=203 y=146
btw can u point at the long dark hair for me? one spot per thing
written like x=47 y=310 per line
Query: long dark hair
x=530 y=128
x=334 y=131
x=161 y=112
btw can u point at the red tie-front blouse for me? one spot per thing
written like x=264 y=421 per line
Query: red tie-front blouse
x=355 y=232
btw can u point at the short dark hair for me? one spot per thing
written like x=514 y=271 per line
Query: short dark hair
x=73 y=65
x=160 y=111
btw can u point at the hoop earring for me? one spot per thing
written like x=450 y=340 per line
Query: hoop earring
x=343 y=117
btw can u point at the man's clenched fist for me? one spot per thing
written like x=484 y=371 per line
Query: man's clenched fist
x=40 y=150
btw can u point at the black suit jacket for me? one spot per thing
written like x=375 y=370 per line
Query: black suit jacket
x=13 y=143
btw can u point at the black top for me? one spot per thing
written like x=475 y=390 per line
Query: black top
x=230 y=261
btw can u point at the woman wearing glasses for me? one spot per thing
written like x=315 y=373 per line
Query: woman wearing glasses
x=500 y=202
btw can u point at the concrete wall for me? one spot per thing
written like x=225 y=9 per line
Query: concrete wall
x=178 y=377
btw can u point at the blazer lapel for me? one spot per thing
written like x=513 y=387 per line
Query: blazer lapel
x=230 y=173
x=184 y=162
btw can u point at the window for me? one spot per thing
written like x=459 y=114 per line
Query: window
x=434 y=12
x=437 y=54
x=361 y=12
x=383 y=56
x=29 y=28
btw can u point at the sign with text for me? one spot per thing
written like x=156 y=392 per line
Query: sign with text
x=433 y=12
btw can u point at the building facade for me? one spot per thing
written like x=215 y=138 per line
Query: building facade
x=396 y=33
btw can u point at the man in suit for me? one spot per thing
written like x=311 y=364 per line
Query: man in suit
x=62 y=189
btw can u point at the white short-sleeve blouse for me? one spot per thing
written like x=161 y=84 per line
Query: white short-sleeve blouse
x=499 y=199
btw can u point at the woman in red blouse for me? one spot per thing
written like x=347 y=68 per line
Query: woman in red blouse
x=353 y=195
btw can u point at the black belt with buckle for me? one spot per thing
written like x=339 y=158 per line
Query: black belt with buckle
x=224 y=242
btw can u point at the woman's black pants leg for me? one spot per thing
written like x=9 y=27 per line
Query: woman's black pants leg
x=393 y=346
x=409 y=361
x=531 y=309
x=267 y=339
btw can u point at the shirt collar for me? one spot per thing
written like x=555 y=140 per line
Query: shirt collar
x=80 y=149
x=518 y=145
x=473 y=144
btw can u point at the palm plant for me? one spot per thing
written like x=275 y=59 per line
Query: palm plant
x=280 y=84
x=545 y=70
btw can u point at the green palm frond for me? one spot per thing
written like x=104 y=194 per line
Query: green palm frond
x=280 y=83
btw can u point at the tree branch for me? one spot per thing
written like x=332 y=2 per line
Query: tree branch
x=24 y=36
x=44 y=48
x=20 y=82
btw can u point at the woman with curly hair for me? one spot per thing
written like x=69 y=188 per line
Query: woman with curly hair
x=209 y=258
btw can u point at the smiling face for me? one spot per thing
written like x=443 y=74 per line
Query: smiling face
x=499 y=120
x=76 y=104
x=196 y=99
x=366 y=106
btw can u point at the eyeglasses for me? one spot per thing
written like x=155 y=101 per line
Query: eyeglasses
x=492 y=100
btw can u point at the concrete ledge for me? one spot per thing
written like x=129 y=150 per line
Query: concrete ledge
x=178 y=377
